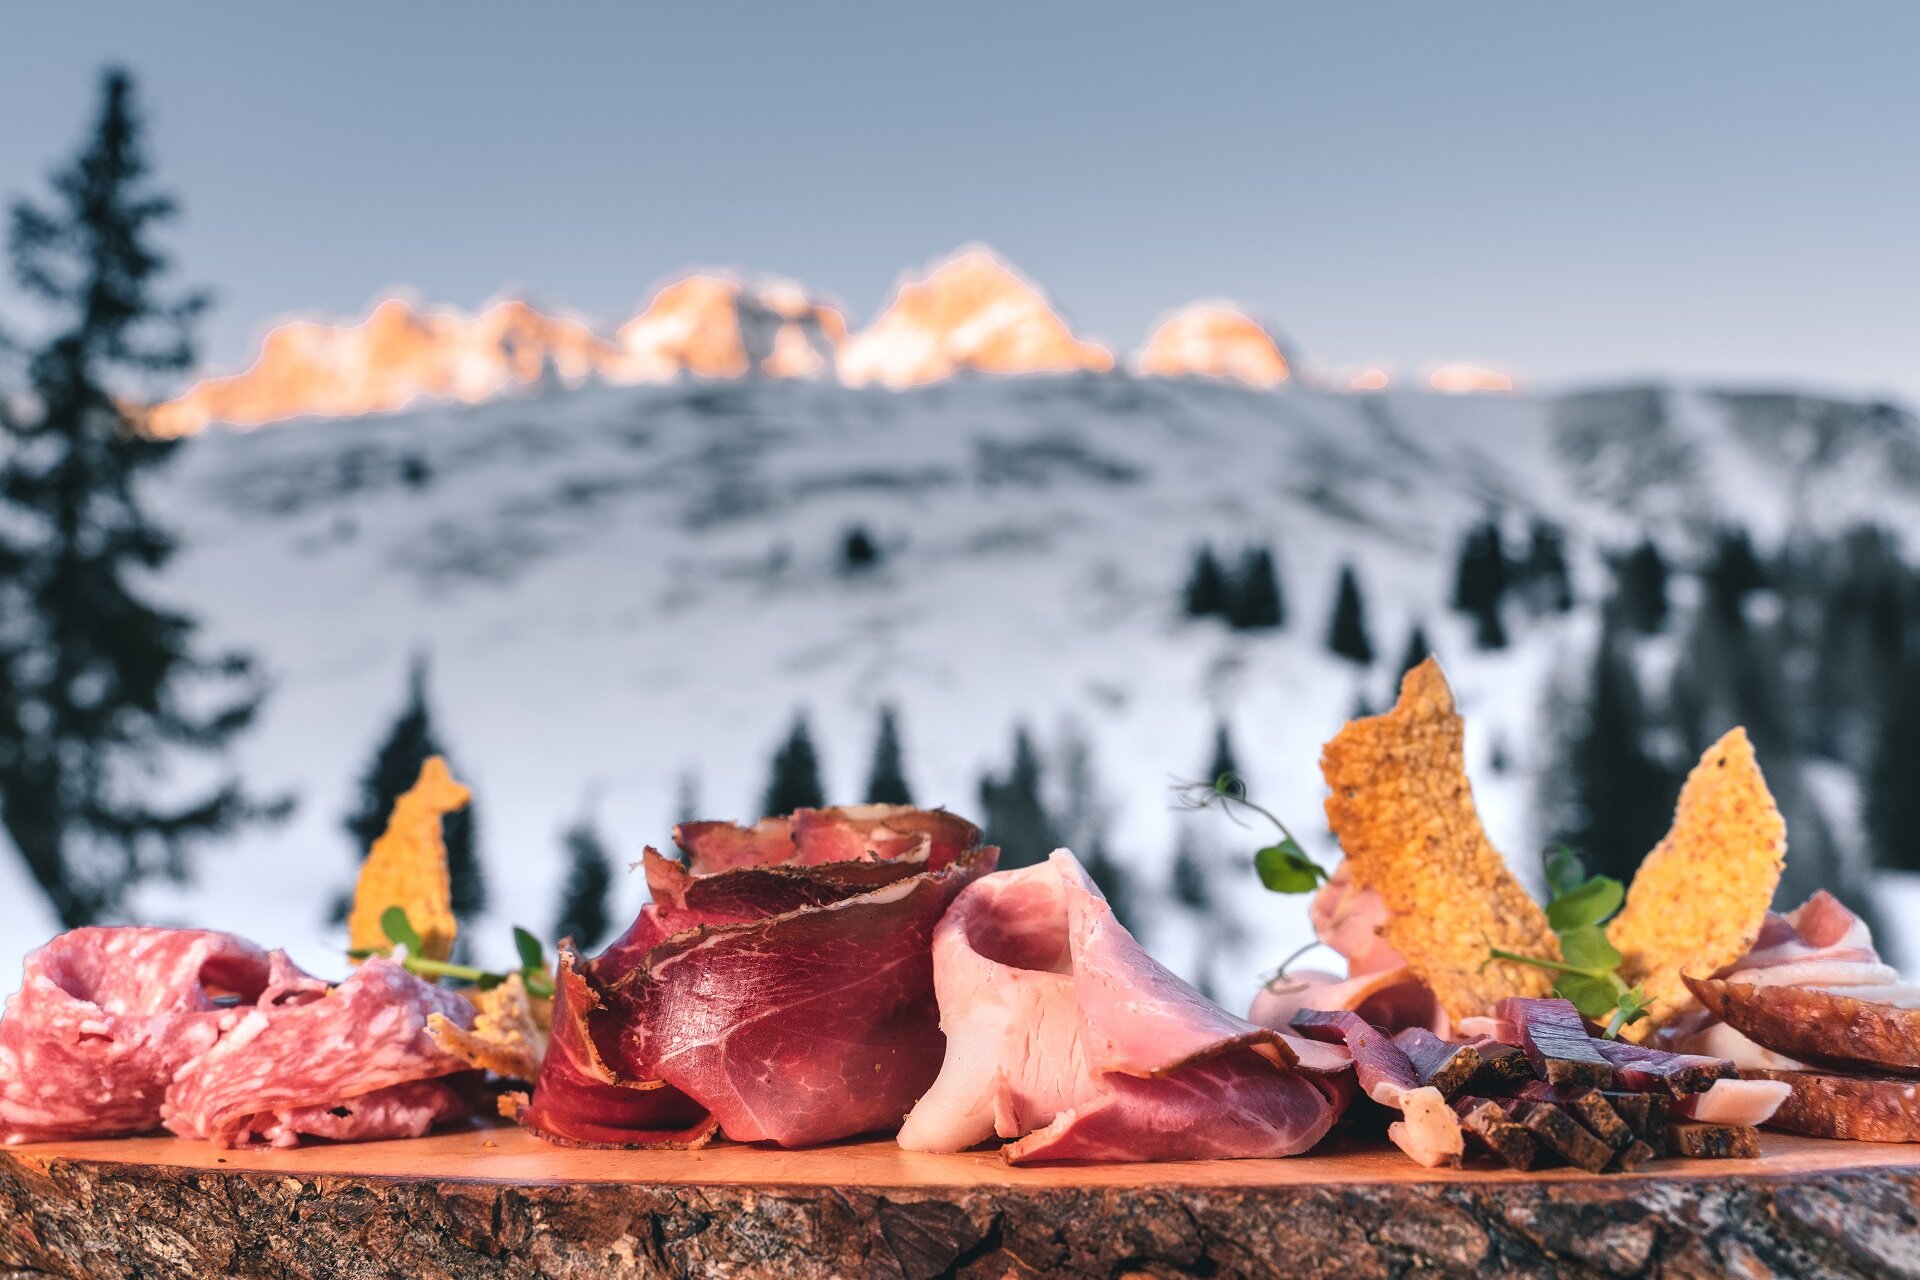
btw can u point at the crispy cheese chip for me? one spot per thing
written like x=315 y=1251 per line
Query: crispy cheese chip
x=1403 y=810
x=407 y=868
x=1699 y=899
x=509 y=1035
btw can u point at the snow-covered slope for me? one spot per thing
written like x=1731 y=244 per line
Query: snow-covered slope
x=619 y=586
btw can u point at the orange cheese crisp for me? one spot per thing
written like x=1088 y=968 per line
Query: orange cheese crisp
x=1699 y=899
x=509 y=1035
x=1404 y=813
x=407 y=868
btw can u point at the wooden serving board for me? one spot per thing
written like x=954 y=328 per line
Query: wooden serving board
x=496 y=1202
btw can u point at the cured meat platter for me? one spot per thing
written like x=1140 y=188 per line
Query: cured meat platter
x=844 y=1042
x=499 y=1202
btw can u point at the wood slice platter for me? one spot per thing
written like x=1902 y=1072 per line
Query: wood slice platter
x=496 y=1202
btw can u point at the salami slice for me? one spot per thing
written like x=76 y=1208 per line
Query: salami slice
x=316 y=1050
x=106 y=1016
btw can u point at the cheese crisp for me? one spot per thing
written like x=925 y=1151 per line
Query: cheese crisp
x=407 y=868
x=1699 y=899
x=508 y=1038
x=1404 y=813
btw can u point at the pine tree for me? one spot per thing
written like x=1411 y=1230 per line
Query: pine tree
x=1114 y=882
x=1223 y=759
x=887 y=778
x=585 y=914
x=1549 y=583
x=1082 y=827
x=1016 y=812
x=858 y=550
x=1256 y=602
x=1892 y=798
x=1734 y=572
x=1620 y=798
x=396 y=767
x=1480 y=583
x=1640 y=588
x=97 y=682
x=1347 y=633
x=1205 y=595
x=794 y=782
x=1418 y=649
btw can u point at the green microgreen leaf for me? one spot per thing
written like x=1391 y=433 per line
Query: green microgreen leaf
x=1285 y=868
x=1586 y=905
x=533 y=956
x=400 y=930
x=1587 y=950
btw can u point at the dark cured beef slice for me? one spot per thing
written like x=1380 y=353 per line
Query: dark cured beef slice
x=1561 y=1133
x=1379 y=1065
x=1555 y=1037
x=1714 y=1141
x=1645 y=1114
x=1503 y=1067
x=1494 y=1128
x=1637 y=1068
x=1632 y=1156
x=1588 y=1106
x=1447 y=1065
x=578 y=1102
x=801 y=1028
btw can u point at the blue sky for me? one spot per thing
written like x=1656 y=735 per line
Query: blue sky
x=1707 y=190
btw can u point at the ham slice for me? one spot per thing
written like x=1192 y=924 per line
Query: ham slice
x=1064 y=1034
x=779 y=987
x=104 y=1019
x=308 y=1047
x=1379 y=986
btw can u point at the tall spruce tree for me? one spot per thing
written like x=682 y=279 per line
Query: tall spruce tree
x=394 y=768
x=1256 y=602
x=1347 y=631
x=97 y=682
x=1223 y=760
x=1549 y=582
x=887 y=777
x=1418 y=649
x=1205 y=595
x=1082 y=827
x=1640 y=588
x=794 y=780
x=585 y=913
x=1620 y=799
x=1480 y=583
x=1015 y=808
x=1893 y=777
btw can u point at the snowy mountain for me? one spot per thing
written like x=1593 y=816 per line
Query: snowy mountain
x=623 y=588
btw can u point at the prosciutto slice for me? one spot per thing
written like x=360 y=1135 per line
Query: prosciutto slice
x=309 y=1047
x=104 y=1019
x=778 y=987
x=1065 y=1036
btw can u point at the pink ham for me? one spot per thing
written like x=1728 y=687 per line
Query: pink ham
x=1353 y=921
x=1062 y=1032
x=315 y=1047
x=104 y=1019
x=1379 y=986
x=779 y=987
